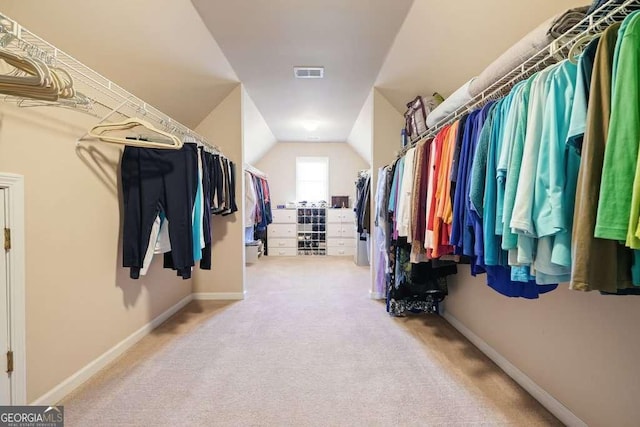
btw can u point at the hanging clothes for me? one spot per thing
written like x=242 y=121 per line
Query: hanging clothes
x=614 y=259
x=363 y=203
x=167 y=209
x=537 y=188
x=258 y=213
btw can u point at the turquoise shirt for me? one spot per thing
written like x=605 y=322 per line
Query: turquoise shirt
x=393 y=197
x=503 y=151
x=522 y=216
x=491 y=241
x=510 y=239
x=197 y=219
x=557 y=173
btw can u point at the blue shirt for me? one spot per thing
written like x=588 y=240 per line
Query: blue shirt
x=459 y=208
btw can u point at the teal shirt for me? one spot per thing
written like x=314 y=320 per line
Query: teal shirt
x=393 y=197
x=503 y=151
x=510 y=239
x=522 y=216
x=479 y=165
x=557 y=171
x=492 y=252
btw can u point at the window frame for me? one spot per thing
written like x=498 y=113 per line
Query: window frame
x=300 y=160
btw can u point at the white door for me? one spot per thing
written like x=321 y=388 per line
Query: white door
x=5 y=344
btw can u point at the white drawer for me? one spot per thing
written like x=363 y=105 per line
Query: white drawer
x=339 y=230
x=282 y=230
x=283 y=251
x=347 y=251
x=282 y=243
x=284 y=216
x=341 y=216
x=341 y=243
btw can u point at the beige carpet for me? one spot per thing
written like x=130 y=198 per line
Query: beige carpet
x=306 y=348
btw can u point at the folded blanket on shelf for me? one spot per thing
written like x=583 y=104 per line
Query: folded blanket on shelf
x=527 y=47
x=457 y=99
x=566 y=21
x=597 y=3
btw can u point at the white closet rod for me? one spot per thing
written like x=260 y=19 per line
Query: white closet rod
x=255 y=171
x=556 y=51
x=107 y=99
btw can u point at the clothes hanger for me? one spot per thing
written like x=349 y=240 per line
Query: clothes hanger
x=30 y=78
x=26 y=73
x=577 y=47
x=172 y=142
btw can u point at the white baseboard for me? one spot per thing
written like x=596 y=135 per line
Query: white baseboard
x=377 y=295
x=548 y=401
x=221 y=296
x=67 y=386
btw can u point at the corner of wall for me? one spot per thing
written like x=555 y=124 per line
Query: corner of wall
x=223 y=127
x=385 y=142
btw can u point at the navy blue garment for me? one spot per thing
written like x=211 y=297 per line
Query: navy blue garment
x=262 y=224
x=463 y=169
x=499 y=279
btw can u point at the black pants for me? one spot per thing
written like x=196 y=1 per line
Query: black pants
x=155 y=180
x=207 y=190
x=217 y=185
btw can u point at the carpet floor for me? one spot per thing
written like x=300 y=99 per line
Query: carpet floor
x=307 y=347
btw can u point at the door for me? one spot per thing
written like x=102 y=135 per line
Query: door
x=5 y=292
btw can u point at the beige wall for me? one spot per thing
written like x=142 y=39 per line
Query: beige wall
x=387 y=124
x=257 y=136
x=79 y=301
x=464 y=36
x=582 y=348
x=361 y=136
x=280 y=164
x=223 y=127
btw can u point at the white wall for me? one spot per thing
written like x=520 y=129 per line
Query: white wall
x=280 y=165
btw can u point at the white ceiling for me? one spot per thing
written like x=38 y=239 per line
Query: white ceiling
x=159 y=51
x=264 y=40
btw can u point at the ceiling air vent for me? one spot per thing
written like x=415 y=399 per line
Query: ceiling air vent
x=308 y=72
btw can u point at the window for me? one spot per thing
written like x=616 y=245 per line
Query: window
x=312 y=178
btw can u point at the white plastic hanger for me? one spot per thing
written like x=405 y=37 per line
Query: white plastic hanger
x=100 y=131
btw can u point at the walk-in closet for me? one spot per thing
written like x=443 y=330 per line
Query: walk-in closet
x=334 y=213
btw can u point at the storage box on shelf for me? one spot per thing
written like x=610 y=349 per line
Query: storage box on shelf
x=282 y=233
x=312 y=234
x=341 y=232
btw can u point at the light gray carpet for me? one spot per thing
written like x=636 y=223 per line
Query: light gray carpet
x=306 y=348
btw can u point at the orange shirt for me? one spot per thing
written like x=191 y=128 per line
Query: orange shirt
x=444 y=209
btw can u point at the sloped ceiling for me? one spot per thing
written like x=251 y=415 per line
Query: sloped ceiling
x=164 y=53
x=158 y=50
x=361 y=136
x=257 y=135
x=442 y=44
x=264 y=40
